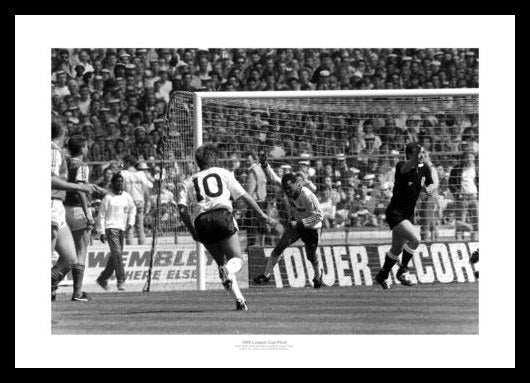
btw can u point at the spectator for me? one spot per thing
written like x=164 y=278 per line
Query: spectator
x=120 y=150
x=118 y=86
x=116 y=215
x=463 y=183
x=139 y=187
x=256 y=187
x=371 y=140
x=105 y=180
x=60 y=88
x=427 y=207
x=329 y=208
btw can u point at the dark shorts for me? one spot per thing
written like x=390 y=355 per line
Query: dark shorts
x=394 y=218
x=310 y=237
x=215 y=225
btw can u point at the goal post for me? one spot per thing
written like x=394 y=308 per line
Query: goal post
x=356 y=132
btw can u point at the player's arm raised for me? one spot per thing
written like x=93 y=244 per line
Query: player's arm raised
x=271 y=175
x=409 y=164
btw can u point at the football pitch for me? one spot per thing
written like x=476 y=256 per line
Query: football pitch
x=424 y=309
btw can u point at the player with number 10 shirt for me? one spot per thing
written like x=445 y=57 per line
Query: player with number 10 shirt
x=205 y=205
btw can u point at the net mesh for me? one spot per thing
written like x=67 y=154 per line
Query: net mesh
x=343 y=148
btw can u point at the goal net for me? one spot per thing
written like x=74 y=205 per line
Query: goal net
x=343 y=145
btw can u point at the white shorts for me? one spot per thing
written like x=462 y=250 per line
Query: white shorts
x=75 y=218
x=58 y=214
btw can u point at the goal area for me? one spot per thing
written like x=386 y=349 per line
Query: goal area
x=343 y=145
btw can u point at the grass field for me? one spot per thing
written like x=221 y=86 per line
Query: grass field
x=425 y=309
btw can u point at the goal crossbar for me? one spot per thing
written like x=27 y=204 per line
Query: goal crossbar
x=341 y=93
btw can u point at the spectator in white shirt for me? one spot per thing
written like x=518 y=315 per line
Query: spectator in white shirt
x=139 y=187
x=83 y=60
x=166 y=86
x=463 y=183
x=85 y=100
x=116 y=216
x=61 y=87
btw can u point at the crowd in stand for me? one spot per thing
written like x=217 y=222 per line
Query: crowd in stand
x=117 y=99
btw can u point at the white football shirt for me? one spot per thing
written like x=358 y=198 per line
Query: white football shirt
x=305 y=208
x=209 y=189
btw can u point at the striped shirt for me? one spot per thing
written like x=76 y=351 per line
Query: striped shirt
x=59 y=169
x=305 y=208
x=77 y=172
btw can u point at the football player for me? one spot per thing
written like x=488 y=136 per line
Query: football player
x=205 y=206
x=305 y=222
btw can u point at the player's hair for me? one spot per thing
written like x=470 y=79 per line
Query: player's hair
x=76 y=144
x=206 y=156
x=289 y=178
x=410 y=148
x=57 y=129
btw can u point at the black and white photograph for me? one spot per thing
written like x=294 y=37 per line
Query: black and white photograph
x=275 y=194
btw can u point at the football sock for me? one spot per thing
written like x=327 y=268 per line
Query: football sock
x=58 y=273
x=235 y=289
x=317 y=270
x=270 y=266
x=78 y=271
x=234 y=265
x=408 y=253
x=390 y=261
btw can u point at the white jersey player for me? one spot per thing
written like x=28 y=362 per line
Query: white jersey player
x=205 y=206
x=306 y=218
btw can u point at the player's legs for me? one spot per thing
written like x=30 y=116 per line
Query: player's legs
x=392 y=255
x=406 y=239
x=290 y=236
x=232 y=250
x=311 y=239
x=119 y=268
x=227 y=255
x=81 y=240
x=65 y=247
x=115 y=238
x=406 y=231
